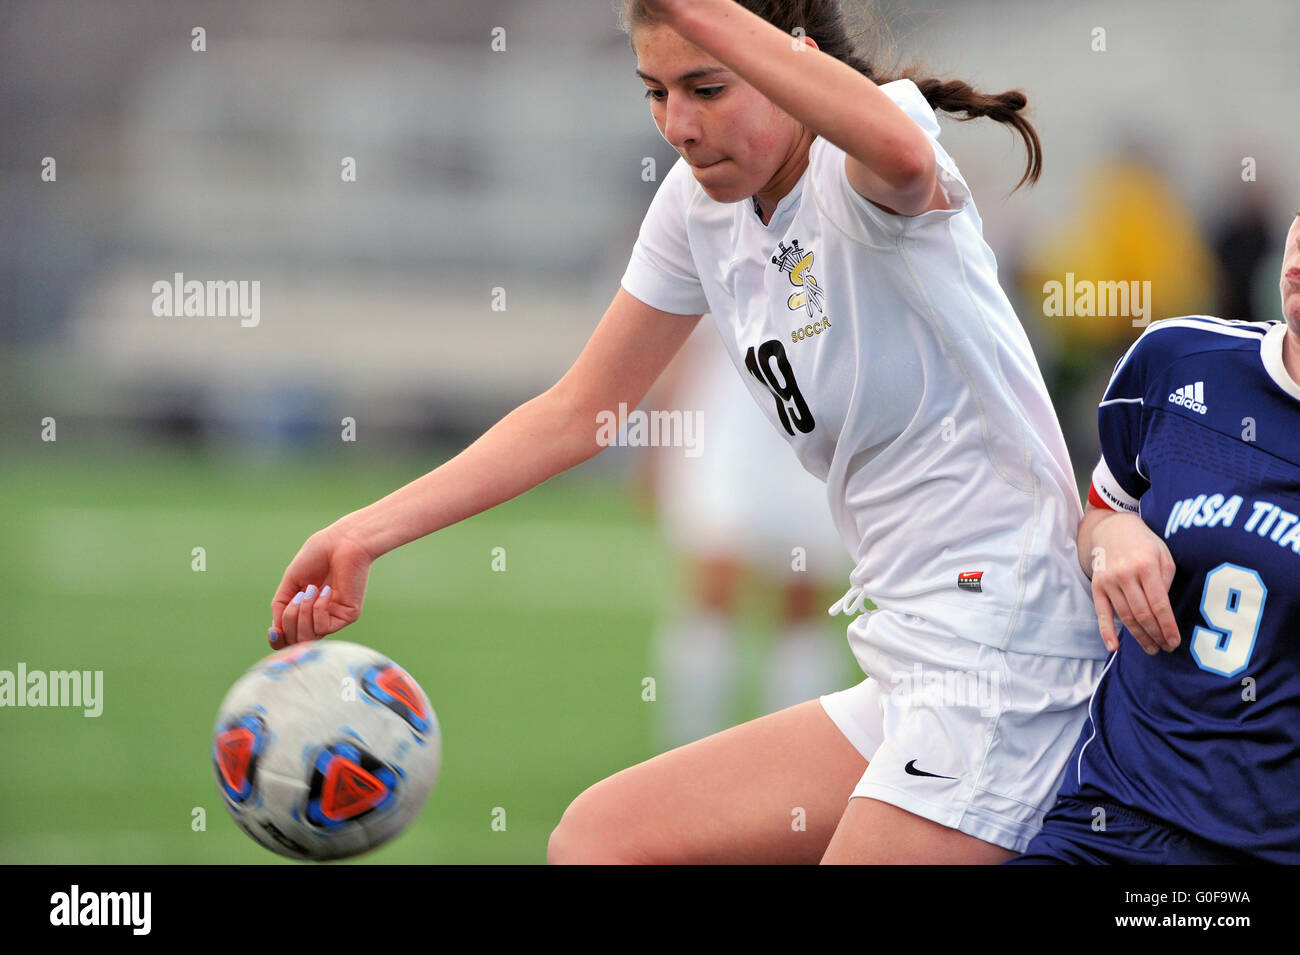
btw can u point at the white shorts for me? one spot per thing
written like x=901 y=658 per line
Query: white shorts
x=973 y=737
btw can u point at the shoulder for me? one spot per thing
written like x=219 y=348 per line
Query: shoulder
x=1165 y=343
x=912 y=101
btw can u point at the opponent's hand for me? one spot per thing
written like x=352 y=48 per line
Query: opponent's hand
x=1131 y=573
x=322 y=589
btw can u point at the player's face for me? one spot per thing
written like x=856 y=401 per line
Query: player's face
x=1290 y=283
x=735 y=138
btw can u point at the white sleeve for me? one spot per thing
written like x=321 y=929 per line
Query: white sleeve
x=662 y=271
x=863 y=217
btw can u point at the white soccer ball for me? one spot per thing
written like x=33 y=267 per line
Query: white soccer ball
x=325 y=750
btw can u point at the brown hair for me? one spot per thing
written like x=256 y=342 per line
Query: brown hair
x=825 y=23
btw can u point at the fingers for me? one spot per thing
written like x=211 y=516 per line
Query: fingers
x=284 y=594
x=1119 y=598
x=290 y=620
x=1165 y=625
x=320 y=613
x=1142 y=593
x=1105 y=619
x=306 y=614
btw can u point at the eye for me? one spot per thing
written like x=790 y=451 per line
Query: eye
x=655 y=94
x=708 y=92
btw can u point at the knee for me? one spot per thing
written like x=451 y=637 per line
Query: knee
x=593 y=832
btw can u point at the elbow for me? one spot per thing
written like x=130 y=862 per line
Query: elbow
x=575 y=420
x=915 y=163
x=914 y=179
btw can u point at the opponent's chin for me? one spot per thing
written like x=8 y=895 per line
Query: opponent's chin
x=1290 y=302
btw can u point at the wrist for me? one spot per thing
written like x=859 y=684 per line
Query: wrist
x=366 y=530
x=1091 y=549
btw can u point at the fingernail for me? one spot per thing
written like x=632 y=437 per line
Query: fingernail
x=272 y=636
x=325 y=591
x=297 y=599
x=311 y=591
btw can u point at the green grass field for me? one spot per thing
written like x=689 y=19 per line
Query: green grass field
x=535 y=673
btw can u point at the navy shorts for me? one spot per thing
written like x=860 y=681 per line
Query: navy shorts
x=1073 y=834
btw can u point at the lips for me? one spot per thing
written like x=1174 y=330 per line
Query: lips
x=1293 y=274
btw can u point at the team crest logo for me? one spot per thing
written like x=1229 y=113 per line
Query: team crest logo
x=798 y=264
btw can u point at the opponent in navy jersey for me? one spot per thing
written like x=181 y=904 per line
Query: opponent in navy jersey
x=1199 y=429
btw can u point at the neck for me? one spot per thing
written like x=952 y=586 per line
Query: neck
x=786 y=176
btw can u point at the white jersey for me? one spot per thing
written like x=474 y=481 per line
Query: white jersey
x=886 y=352
x=746 y=495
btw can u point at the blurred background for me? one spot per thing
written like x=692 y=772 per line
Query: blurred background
x=500 y=150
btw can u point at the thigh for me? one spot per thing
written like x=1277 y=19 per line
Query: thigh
x=768 y=791
x=875 y=833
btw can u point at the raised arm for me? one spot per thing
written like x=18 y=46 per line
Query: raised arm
x=889 y=158
x=539 y=439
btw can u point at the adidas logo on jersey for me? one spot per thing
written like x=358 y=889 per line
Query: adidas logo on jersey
x=1191 y=397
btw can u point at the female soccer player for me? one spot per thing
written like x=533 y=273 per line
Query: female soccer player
x=815 y=215
x=1192 y=534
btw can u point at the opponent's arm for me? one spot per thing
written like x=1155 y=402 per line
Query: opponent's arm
x=1131 y=570
x=889 y=157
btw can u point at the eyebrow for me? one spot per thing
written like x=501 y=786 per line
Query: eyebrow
x=692 y=75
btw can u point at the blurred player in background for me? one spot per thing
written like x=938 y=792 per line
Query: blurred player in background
x=1132 y=226
x=743 y=516
x=1192 y=537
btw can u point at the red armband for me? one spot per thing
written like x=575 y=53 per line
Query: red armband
x=1096 y=499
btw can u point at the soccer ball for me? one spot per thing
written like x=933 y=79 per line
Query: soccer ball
x=325 y=750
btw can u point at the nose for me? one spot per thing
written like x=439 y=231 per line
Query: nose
x=681 y=122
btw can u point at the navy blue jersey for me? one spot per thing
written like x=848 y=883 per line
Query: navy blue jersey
x=1200 y=435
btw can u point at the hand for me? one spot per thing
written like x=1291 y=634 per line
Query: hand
x=322 y=589
x=1132 y=571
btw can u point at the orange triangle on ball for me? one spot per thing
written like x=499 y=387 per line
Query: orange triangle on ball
x=395 y=683
x=234 y=753
x=349 y=790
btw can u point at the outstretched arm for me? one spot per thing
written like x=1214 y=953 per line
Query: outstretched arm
x=324 y=586
x=889 y=157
